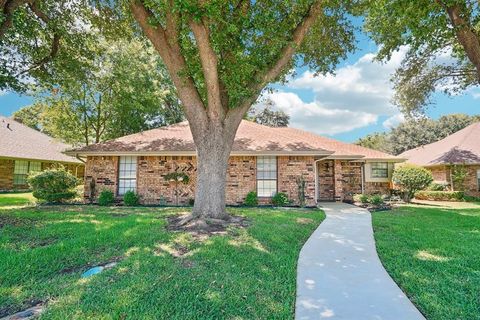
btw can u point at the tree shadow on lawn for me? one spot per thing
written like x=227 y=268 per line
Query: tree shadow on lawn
x=246 y=273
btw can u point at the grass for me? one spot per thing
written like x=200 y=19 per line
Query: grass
x=246 y=274
x=12 y=200
x=434 y=256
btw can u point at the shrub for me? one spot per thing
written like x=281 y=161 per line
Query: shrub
x=130 y=198
x=439 y=195
x=435 y=186
x=106 y=197
x=53 y=185
x=410 y=179
x=301 y=183
x=280 y=199
x=376 y=200
x=362 y=198
x=251 y=200
x=471 y=198
x=191 y=202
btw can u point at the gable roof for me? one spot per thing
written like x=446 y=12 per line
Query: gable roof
x=251 y=138
x=462 y=147
x=23 y=142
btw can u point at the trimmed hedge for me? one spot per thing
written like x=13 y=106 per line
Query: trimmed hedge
x=439 y=195
x=53 y=185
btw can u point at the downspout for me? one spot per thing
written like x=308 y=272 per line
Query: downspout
x=362 y=173
x=316 y=179
x=80 y=159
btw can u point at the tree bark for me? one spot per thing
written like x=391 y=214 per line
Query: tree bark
x=213 y=151
x=466 y=34
x=212 y=123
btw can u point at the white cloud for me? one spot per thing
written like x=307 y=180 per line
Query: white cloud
x=316 y=118
x=393 y=121
x=354 y=97
x=475 y=93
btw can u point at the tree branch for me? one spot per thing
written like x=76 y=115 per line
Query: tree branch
x=209 y=62
x=466 y=34
x=286 y=55
x=8 y=8
x=169 y=50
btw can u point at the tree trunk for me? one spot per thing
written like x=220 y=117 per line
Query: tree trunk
x=213 y=151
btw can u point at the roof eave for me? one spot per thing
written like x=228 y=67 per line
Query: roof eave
x=75 y=153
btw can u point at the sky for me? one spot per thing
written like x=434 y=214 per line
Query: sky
x=347 y=105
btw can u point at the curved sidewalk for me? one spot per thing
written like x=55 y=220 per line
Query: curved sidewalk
x=339 y=274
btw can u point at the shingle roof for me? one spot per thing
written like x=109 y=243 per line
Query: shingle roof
x=461 y=147
x=20 y=141
x=251 y=138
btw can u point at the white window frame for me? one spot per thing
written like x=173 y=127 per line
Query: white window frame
x=267 y=176
x=373 y=169
x=21 y=170
x=127 y=174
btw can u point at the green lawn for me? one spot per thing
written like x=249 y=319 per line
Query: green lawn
x=11 y=200
x=247 y=274
x=434 y=256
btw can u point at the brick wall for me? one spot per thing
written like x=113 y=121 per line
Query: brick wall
x=6 y=174
x=241 y=178
x=471 y=183
x=7 y=167
x=442 y=173
x=340 y=180
x=152 y=186
x=103 y=170
x=326 y=185
x=290 y=168
x=352 y=179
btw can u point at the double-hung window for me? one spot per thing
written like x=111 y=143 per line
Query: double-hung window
x=266 y=176
x=379 y=170
x=127 y=174
x=21 y=170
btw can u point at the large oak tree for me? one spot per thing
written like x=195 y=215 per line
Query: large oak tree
x=220 y=56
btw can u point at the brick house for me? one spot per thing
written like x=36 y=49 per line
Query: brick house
x=263 y=159
x=24 y=150
x=461 y=148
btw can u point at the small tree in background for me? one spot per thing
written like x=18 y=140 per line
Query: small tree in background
x=54 y=185
x=410 y=179
x=459 y=174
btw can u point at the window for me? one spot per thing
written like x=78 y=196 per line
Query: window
x=20 y=172
x=478 y=180
x=127 y=175
x=22 y=169
x=379 y=170
x=266 y=176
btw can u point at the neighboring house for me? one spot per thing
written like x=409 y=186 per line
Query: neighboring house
x=461 y=148
x=24 y=150
x=263 y=159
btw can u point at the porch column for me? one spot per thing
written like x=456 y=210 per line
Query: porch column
x=338 y=180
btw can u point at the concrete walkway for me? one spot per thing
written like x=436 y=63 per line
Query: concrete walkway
x=340 y=276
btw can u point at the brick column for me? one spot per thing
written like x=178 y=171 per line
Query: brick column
x=338 y=180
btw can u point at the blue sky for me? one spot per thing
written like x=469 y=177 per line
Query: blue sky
x=346 y=106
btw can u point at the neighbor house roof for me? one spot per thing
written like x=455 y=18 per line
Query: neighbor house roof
x=462 y=147
x=251 y=138
x=22 y=142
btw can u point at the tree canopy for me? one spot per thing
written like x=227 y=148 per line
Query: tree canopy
x=442 y=38
x=124 y=90
x=416 y=132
